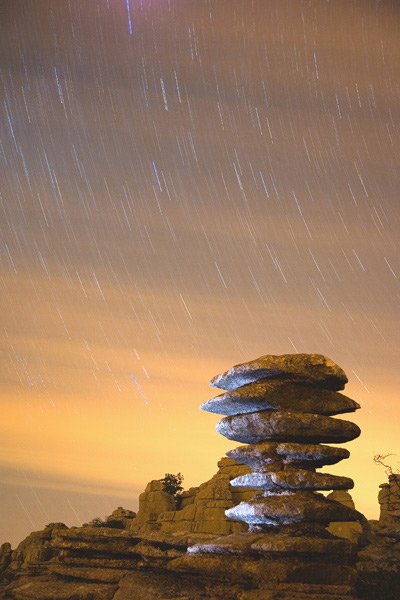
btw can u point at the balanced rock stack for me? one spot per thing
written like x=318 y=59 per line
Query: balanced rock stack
x=282 y=407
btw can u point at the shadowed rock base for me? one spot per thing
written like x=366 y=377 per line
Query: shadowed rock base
x=145 y=586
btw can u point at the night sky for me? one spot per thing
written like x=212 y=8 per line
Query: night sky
x=185 y=185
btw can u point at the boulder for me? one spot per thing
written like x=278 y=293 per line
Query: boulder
x=272 y=394
x=314 y=369
x=286 y=426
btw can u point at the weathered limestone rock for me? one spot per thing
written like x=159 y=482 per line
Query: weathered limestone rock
x=292 y=480
x=44 y=587
x=269 y=455
x=313 y=369
x=356 y=532
x=287 y=508
x=5 y=556
x=36 y=548
x=378 y=563
x=187 y=497
x=205 y=512
x=272 y=394
x=170 y=585
x=152 y=502
x=120 y=518
x=389 y=501
x=378 y=569
x=286 y=426
x=282 y=406
x=87 y=563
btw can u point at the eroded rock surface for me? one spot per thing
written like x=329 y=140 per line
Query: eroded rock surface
x=266 y=455
x=379 y=562
x=152 y=502
x=282 y=406
x=314 y=369
x=205 y=513
x=286 y=426
x=271 y=394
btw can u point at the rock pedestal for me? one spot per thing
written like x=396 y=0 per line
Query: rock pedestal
x=282 y=407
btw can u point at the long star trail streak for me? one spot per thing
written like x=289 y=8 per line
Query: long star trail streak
x=128 y=10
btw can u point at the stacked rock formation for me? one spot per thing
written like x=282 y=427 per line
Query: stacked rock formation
x=282 y=407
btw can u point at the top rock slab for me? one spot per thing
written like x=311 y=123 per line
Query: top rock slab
x=314 y=369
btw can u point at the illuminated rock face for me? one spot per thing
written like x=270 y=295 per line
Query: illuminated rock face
x=283 y=411
x=282 y=408
x=313 y=369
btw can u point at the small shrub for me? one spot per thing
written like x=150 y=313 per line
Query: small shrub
x=97 y=522
x=172 y=484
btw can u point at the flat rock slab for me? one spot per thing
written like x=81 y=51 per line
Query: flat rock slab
x=290 y=508
x=259 y=571
x=301 y=591
x=315 y=369
x=95 y=574
x=49 y=588
x=275 y=543
x=173 y=585
x=272 y=394
x=292 y=480
x=286 y=426
x=259 y=456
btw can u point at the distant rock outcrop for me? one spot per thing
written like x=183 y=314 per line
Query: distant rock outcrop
x=152 y=502
x=379 y=562
x=120 y=518
x=389 y=501
x=5 y=556
x=37 y=548
x=203 y=511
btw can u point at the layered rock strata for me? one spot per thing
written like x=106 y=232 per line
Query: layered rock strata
x=200 y=509
x=379 y=562
x=203 y=508
x=282 y=407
